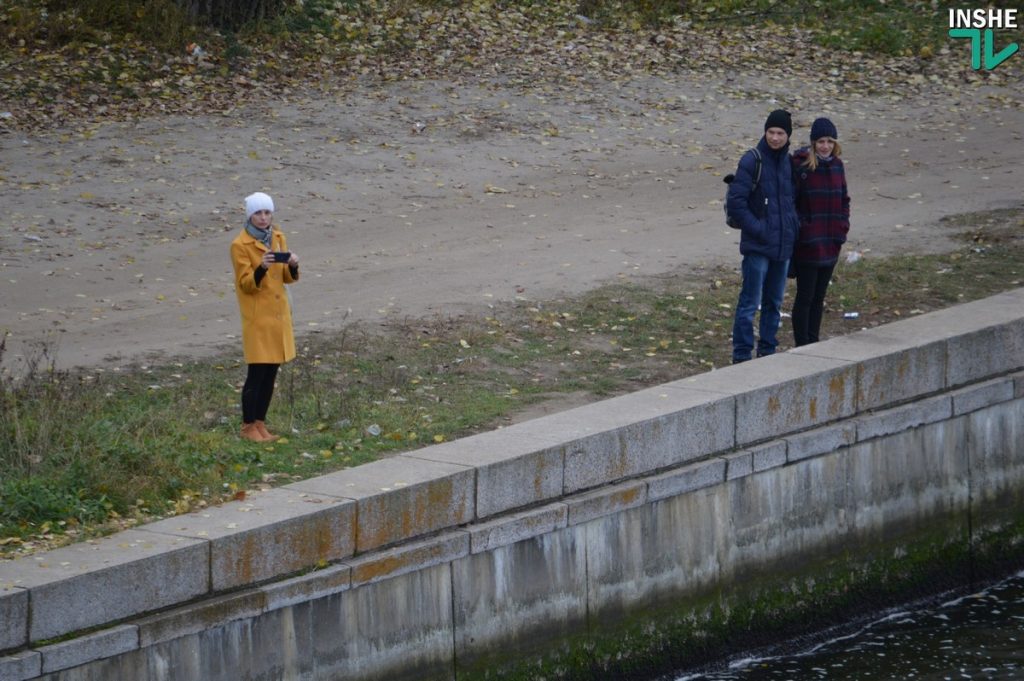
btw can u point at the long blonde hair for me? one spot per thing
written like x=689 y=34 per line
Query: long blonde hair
x=812 y=156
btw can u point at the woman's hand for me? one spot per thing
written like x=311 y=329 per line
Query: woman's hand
x=268 y=259
x=293 y=261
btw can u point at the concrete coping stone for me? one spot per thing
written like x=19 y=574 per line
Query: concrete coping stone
x=606 y=501
x=788 y=392
x=640 y=433
x=892 y=367
x=1018 y=385
x=516 y=466
x=195 y=617
x=962 y=319
x=981 y=395
x=72 y=588
x=27 y=664
x=508 y=530
x=400 y=497
x=407 y=558
x=13 y=616
x=738 y=464
x=904 y=417
x=268 y=534
x=330 y=580
x=88 y=648
x=819 y=441
x=769 y=455
x=686 y=479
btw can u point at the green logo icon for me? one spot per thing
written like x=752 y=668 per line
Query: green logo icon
x=984 y=41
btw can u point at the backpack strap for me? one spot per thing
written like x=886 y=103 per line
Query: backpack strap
x=757 y=167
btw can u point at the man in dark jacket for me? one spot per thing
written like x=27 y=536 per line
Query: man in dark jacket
x=766 y=215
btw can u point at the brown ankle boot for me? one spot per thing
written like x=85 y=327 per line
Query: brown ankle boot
x=267 y=435
x=251 y=432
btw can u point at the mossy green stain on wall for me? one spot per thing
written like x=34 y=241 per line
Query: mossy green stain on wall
x=800 y=598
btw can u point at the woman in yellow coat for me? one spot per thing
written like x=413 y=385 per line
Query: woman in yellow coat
x=263 y=265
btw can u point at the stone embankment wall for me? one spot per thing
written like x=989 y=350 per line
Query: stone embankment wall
x=631 y=534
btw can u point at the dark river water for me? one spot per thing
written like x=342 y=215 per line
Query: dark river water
x=979 y=636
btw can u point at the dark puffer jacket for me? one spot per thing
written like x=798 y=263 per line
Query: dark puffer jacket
x=767 y=219
x=823 y=205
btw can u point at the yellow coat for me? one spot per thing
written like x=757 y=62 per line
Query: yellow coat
x=267 y=336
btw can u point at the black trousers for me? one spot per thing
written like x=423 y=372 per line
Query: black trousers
x=808 y=306
x=258 y=391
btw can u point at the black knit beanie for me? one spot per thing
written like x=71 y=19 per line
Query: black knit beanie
x=779 y=118
x=823 y=127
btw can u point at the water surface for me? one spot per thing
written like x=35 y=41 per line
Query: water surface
x=980 y=636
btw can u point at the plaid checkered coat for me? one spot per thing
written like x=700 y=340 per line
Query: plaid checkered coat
x=823 y=204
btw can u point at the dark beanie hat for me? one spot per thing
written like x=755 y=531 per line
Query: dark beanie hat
x=823 y=127
x=779 y=119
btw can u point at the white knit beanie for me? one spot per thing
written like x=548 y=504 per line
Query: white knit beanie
x=257 y=202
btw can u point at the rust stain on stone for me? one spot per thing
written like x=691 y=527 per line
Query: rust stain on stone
x=774 y=405
x=378 y=568
x=627 y=496
x=903 y=368
x=812 y=408
x=403 y=516
x=836 y=394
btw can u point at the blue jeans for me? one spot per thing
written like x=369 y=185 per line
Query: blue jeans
x=764 y=282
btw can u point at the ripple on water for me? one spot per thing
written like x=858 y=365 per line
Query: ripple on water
x=980 y=636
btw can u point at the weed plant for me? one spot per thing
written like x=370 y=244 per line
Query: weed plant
x=89 y=451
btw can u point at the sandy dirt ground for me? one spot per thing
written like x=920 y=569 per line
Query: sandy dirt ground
x=424 y=198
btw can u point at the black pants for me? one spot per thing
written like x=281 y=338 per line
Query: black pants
x=811 y=286
x=257 y=391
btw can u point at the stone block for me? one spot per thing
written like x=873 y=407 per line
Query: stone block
x=904 y=417
x=1018 y=385
x=995 y=450
x=738 y=464
x=409 y=558
x=13 y=617
x=640 y=433
x=516 y=466
x=517 y=527
x=686 y=479
x=326 y=582
x=782 y=514
x=986 y=352
x=982 y=395
x=820 y=441
x=21 y=666
x=94 y=646
x=768 y=455
x=400 y=497
x=104 y=580
x=787 y=392
x=399 y=629
x=585 y=507
x=915 y=478
x=650 y=556
x=892 y=365
x=268 y=534
x=512 y=602
x=201 y=616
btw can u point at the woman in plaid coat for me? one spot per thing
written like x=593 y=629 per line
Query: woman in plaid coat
x=823 y=204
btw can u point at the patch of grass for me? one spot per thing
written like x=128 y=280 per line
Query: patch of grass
x=87 y=452
x=159 y=23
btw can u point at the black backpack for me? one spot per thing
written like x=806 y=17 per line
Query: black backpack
x=730 y=177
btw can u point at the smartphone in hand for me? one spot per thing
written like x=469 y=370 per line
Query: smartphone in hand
x=282 y=256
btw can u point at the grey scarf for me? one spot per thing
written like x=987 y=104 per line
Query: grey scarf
x=261 y=235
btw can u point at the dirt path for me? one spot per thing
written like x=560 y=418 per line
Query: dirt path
x=430 y=197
